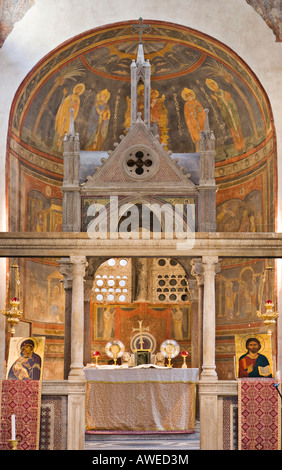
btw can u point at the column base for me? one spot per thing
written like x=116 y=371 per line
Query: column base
x=76 y=374
x=76 y=414
x=208 y=373
x=208 y=415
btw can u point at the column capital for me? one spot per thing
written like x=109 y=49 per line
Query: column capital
x=77 y=260
x=197 y=270
x=209 y=259
x=66 y=271
x=210 y=264
x=79 y=263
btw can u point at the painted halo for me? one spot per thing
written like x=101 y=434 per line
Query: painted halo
x=255 y=335
x=22 y=340
x=114 y=348
x=170 y=347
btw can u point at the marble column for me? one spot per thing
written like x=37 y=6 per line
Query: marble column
x=66 y=271
x=77 y=321
x=141 y=280
x=87 y=320
x=211 y=267
x=73 y=270
x=197 y=272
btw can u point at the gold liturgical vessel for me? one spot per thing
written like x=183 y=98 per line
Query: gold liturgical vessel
x=114 y=349
x=170 y=349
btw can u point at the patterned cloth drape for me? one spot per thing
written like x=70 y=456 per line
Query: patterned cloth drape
x=259 y=415
x=23 y=399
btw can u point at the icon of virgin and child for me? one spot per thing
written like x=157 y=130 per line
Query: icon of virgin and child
x=28 y=365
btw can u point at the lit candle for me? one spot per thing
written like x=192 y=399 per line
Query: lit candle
x=13 y=419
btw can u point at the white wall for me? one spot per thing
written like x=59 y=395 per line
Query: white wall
x=50 y=22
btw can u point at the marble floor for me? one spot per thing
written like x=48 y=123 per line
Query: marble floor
x=144 y=442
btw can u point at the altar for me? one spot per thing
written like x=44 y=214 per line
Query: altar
x=138 y=399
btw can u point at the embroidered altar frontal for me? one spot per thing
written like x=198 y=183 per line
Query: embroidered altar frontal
x=23 y=399
x=259 y=415
x=153 y=402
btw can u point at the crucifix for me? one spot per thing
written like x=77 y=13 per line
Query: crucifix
x=140 y=329
x=140 y=27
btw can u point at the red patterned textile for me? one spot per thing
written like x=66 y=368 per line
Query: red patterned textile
x=23 y=399
x=259 y=415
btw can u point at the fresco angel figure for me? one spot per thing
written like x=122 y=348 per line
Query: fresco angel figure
x=229 y=112
x=194 y=114
x=99 y=121
x=158 y=115
x=62 y=123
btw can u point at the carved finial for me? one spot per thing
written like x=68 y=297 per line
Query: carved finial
x=140 y=27
x=140 y=73
x=71 y=126
x=207 y=123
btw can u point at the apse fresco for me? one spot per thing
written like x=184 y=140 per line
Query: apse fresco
x=44 y=301
x=241 y=215
x=44 y=214
x=90 y=74
x=190 y=72
x=237 y=298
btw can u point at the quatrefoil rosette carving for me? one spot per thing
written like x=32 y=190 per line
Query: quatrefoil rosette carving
x=140 y=162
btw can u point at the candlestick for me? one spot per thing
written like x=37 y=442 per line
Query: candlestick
x=13 y=421
x=14 y=444
x=184 y=354
x=96 y=354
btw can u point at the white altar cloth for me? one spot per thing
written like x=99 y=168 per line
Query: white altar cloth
x=136 y=374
